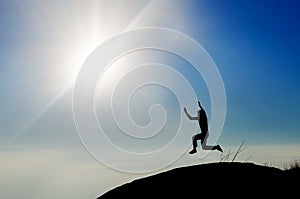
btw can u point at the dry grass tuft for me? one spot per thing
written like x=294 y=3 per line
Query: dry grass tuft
x=293 y=165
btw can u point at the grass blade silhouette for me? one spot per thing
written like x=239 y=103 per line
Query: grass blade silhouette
x=239 y=150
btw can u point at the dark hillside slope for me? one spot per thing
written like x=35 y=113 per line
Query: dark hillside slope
x=223 y=179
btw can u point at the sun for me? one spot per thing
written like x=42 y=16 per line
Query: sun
x=75 y=56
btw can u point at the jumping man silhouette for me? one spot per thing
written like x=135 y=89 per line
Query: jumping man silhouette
x=202 y=119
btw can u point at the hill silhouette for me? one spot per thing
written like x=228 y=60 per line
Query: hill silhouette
x=223 y=179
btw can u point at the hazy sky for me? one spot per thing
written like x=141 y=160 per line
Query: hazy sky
x=43 y=44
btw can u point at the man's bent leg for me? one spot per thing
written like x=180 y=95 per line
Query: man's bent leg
x=195 y=138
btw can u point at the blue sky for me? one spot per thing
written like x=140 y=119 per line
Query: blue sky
x=43 y=44
x=257 y=52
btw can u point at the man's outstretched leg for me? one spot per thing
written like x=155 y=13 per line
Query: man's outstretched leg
x=208 y=147
x=218 y=147
x=195 y=139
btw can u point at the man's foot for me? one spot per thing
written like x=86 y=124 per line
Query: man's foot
x=193 y=151
x=218 y=147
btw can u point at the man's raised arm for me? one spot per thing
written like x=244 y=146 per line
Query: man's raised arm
x=200 y=105
x=189 y=116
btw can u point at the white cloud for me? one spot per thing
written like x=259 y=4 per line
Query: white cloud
x=54 y=174
x=36 y=174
